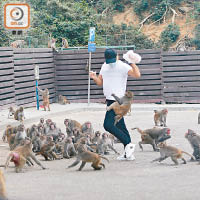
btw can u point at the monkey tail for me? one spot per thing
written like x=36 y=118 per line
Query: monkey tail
x=189 y=155
x=104 y=158
x=139 y=130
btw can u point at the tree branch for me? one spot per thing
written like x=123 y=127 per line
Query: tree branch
x=144 y=20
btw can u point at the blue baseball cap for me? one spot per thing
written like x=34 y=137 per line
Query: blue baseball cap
x=110 y=56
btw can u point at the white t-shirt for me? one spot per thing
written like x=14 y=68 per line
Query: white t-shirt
x=114 y=79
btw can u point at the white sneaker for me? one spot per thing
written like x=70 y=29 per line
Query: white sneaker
x=122 y=157
x=129 y=149
x=132 y=157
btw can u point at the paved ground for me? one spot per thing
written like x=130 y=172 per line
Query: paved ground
x=138 y=180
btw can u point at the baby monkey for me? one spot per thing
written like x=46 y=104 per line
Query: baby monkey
x=121 y=106
x=173 y=152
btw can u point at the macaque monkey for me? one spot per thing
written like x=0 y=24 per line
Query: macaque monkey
x=47 y=151
x=160 y=117
x=173 y=152
x=45 y=97
x=20 y=136
x=52 y=43
x=86 y=156
x=194 y=140
x=70 y=125
x=32 y=132
x=104 y=144
x=121 y=106
x=47 y=126
x=65 y=43
x=62 y=100
x=2 y=187
x=87 y=128
x=96 y=138
x=20 y=155
x=153 y=136
x=11 y=112
x=19 y=114
x=69 y=149
x=17 y=44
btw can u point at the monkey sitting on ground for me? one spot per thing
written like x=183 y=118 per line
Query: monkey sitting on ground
x=86 y=156
x=173 y=152
x=17 y=44
x=65 y=43
x=45 y=97
x=11 y=112
x=153 y=136
x=9 y=135
x=62 y=100
x=2 y=187
x=194 y=140
x=47 y=151
x=160 y=117
x=87 y=128
x=19 y=114
x=71 y=125
x=20 y=155
x=69 y=149
x=121 y=106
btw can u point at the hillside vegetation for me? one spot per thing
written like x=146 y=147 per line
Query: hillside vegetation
x=143 y=23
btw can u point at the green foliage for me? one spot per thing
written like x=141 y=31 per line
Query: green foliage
x=140 y=6
x=196 y=40
x=169 y=35
x=196 y=11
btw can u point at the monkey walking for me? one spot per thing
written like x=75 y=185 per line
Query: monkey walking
x=121 y=106
x=153 y=136
x=173 y=152
x=194 y=140
x=62 y=100
x=45 y=97
x=160 y=117
x=86 y=156
x=20 y=155
x=17 y=44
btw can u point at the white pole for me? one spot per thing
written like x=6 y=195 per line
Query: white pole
x=90 y=57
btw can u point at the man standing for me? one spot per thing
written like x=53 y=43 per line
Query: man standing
x=113 y=76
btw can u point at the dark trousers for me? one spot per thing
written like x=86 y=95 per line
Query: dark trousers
x=119 y=131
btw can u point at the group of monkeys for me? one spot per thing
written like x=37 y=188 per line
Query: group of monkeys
x=51 y=43
x=82 y=142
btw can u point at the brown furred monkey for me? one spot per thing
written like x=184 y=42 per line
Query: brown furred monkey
x=153 y=136
x=19 y=114
x=17 y=44
x=20 y=155
x=65 y=43
x=70 y=125
x=69 y=149
x=62 y=100
x=86 y=156
x=173 y=152
x=160 y=117
x=45 y=97
x=2 y=187
x=121 y=106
